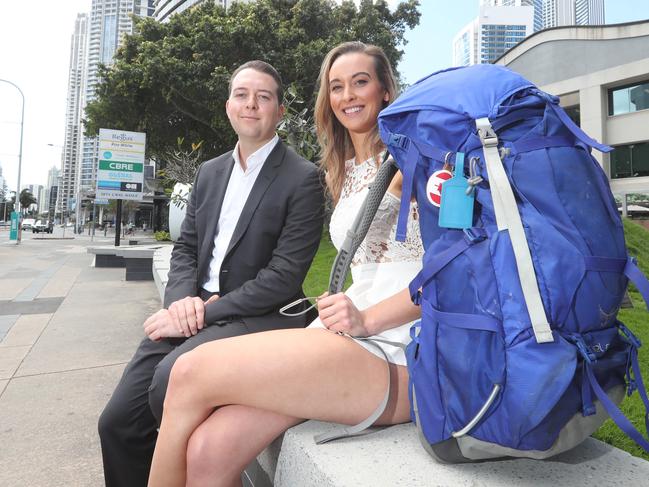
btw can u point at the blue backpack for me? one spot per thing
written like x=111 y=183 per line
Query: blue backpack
x=519 y=352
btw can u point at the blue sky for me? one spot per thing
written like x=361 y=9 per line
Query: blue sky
x=429 y=46
x=36 y=55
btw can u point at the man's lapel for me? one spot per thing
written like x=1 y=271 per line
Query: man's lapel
x=217 y=193
x=266 y=176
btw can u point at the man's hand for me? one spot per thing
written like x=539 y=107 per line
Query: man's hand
x=188 y=315
x=160 y=325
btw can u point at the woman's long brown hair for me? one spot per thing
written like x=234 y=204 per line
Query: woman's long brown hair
x=335 y=143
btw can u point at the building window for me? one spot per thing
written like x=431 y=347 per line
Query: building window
x=574 y=114
x=630 y=98
x=629 y=161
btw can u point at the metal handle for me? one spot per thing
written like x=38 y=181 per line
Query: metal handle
x=481 y=413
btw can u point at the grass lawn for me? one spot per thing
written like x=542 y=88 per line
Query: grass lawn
x=636 y=319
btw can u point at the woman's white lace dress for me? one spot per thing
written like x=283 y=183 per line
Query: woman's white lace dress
x=381 y=266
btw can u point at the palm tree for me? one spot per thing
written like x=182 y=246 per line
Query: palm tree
x=26 y=199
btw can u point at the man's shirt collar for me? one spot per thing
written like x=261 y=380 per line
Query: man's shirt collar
x=257 y=158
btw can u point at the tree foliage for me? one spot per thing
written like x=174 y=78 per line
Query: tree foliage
x=170 y=80
x=26 y=200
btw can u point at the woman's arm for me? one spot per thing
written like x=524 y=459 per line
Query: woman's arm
x=338 y=313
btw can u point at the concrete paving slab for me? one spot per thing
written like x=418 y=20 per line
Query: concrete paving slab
x=61 y=282
x=10 y=288
x=21 y=274
x=26 y=330
x=6 y=322
x=35 y=306
x=48 y=429
x=10 y=359
x=99 y=323
x=37 y=285
x=3 y=384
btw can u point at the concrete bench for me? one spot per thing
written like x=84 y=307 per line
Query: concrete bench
x=106 y=256
x=393 y=457
x=137 y=260
x=160 y=268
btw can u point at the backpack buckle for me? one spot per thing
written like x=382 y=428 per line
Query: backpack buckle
x=473 y=235
x=486 y=133
x=635 y=341
x=588 y=356
x=398 y=140
x=583 y=349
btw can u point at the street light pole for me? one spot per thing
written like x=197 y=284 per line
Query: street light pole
x=20 y=152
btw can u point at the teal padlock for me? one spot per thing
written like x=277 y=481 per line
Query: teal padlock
x=456 y=206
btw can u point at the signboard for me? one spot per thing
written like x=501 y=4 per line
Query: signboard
x=120 y=174
x=101 y=201
x=14 y=232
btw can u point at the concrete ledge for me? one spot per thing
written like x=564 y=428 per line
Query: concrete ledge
x=160 y=268
x=394 y=457
x=109 y=260
x=136 y=259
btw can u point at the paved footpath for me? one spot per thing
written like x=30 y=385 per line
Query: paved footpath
x=66 y=332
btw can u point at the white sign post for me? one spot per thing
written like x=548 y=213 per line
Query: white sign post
x=120 y=174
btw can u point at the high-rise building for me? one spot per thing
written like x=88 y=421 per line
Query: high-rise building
x=536 y=4
x=109 y=21
x=52 y=191
x=73 y=130
x=163 y=9
x=4 y=191
x=589 y=12
x=497 y=29
x=465 y=45
x=558 y=13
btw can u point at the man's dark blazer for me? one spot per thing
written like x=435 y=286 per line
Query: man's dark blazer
x=271 y=249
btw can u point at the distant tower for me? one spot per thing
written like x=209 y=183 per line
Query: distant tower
x=589 y=12
x=500 y=25
x=73 y=131
x=537 y=4
x=163 y=9
x=110 y=20
x=558 y=12
x=52 y=190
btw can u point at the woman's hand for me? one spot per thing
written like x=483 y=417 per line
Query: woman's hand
x=338 y=313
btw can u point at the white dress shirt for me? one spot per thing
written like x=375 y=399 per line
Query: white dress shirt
x=236 y=195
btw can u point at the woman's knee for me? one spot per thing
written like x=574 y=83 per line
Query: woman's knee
x=210 y=456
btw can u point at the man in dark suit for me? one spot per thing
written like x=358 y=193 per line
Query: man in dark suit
x=252 y=228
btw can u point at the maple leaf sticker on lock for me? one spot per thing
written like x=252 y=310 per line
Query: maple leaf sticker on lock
x=434 y=186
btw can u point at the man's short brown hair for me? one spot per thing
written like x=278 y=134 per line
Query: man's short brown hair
x=262 y=67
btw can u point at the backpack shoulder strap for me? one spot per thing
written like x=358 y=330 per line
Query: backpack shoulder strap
x=508 y=218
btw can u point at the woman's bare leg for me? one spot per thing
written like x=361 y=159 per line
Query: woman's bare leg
x=303 y=373
x=226 y=442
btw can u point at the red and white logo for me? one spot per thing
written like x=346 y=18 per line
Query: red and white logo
x=434 y=186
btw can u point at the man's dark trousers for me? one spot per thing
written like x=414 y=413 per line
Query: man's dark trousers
x=131 y=417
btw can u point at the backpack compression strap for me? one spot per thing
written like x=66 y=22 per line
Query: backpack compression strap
x=508 y=218
x=636 y=276
x=355 y=235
